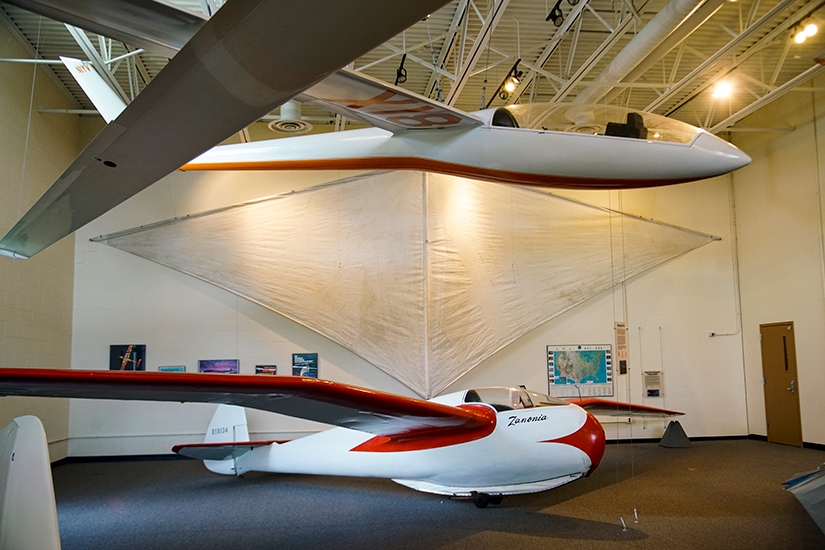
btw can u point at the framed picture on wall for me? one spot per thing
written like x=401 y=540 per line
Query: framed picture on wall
x=305 y=364
x=266 y=369
x=127 y=357
x=580 y=370
x=219 y=366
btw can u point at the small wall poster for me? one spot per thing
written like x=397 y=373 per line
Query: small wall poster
x=172 y=368
x=266 y=369
x=305 y=364
x=127 y=357
x=219 y=366
x=621 y=347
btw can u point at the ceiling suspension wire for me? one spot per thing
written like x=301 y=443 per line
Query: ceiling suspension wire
x=29 y=121
x=439 y=95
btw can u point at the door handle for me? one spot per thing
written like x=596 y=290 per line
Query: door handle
x=792 y=389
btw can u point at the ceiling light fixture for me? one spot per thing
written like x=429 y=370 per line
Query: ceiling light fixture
x=804 y=31
x=509 y=84
x=722 y=90
x=556 y=14
x=401 y=72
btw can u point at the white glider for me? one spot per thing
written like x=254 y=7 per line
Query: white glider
x=483 y=443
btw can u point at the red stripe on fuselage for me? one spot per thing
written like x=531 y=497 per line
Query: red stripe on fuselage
x=441 y=167
x=483 y=424
x=589 y=438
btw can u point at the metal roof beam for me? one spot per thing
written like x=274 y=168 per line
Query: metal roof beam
x=768 y=97
x=709 y=63
x=483 y=38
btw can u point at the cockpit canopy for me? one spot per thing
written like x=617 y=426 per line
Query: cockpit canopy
x=602 y=120
x=505 y=399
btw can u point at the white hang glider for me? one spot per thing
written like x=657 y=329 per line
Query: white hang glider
x=483 y=443
x=228 y=69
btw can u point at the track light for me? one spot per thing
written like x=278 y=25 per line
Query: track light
x=804 y=31
x=509 y=84
x=401 y=72
x=556 y=14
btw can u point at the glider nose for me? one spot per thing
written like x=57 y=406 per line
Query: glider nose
x=592 y=441
x=723 y=156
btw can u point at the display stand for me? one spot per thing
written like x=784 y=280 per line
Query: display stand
x=675 y=437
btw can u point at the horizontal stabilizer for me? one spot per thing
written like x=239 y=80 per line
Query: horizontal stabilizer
x=606 y=407
x=218 y=451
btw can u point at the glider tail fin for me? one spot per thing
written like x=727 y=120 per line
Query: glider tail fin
x=108 y=103
x=228 y=425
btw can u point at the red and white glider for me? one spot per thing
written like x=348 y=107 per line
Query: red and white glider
x=483 y=443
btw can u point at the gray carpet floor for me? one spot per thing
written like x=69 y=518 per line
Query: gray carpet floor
x=717 y=494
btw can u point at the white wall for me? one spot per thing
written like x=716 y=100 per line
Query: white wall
x=121 y=299
x=35 y=294
x=779 y=212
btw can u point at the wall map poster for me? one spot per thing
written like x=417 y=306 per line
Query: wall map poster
x=585 y=370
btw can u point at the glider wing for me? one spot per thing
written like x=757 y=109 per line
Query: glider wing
x=231 y=73
x=397 y=417
x=606 y=407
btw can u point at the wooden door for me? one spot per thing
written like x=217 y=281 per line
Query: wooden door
x=781 y=384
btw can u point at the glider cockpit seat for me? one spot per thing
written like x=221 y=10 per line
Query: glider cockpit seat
x=633 y=128
x=504 y=118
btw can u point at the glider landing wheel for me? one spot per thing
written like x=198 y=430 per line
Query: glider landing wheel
x=481 y=500
x=496 y=499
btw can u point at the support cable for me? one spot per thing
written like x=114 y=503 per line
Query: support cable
x=29 y=121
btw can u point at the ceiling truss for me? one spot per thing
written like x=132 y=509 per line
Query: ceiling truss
x=461 y=53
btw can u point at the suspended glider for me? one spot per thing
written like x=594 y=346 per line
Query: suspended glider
x=482 y=443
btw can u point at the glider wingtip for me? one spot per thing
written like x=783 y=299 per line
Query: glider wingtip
x=10 y=253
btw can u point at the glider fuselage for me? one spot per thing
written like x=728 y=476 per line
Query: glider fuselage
x=527 y=450
x=503 y=154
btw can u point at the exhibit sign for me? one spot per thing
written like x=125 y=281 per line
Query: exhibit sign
x=266 y=369
x=621 y=347
x=172 y=368
x=580 y=370
x=653 y=383
x=220 y=366
x=127 y=357
x=305 y=364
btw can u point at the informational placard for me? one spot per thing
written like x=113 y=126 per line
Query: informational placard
x=266 y=369
x=305 y=364
x=172 y=368
x=127 y=357
x=621 y=347
x=653 y=383
x=575 y=370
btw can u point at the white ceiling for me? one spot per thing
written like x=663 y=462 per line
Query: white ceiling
x=674 y=67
